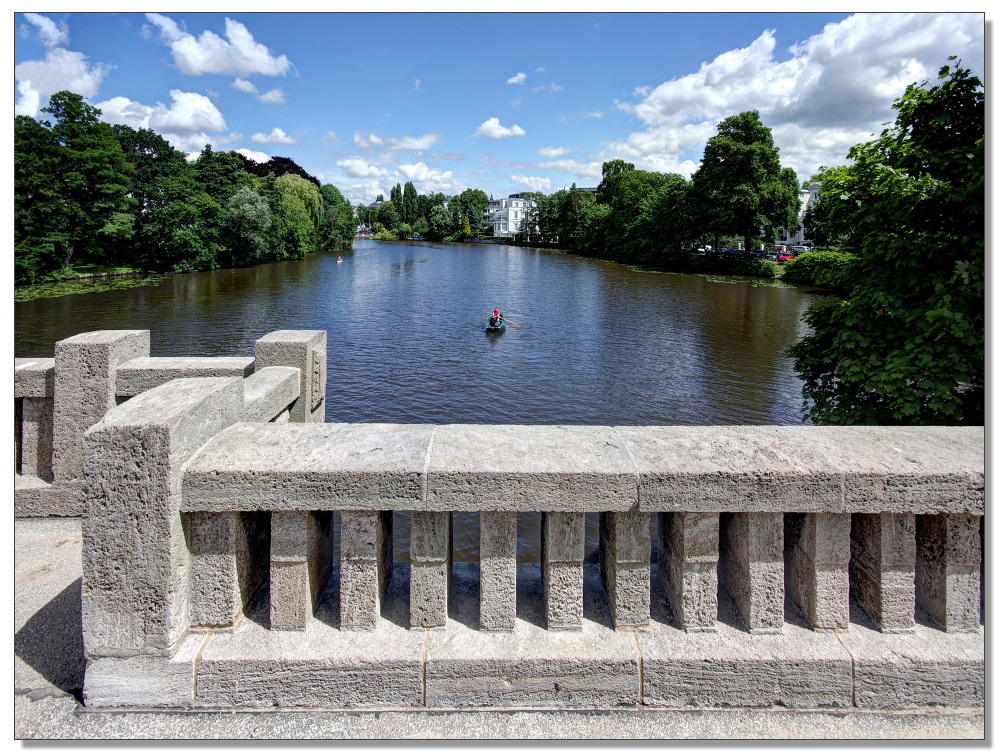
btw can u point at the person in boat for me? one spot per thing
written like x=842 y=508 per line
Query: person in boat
x=495 y=319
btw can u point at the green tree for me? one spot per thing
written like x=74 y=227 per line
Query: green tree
x=338 y=219
x=388 y=216
x=396 y=197
x=907 y=346
x=92 y=173
x=40 y=226
x=610 y=173
x=248 y=217
x=300 y=212
x=439 y=224
x=820 y=227
x=409 y=203
x=740 y=186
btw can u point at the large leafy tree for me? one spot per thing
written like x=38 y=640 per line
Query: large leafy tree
x=409 y=203
x=907 y=346
x=40 y=227
x=92 y=175
x=740 y=186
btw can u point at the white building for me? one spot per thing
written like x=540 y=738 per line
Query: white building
x=507 y=215
x=807 y=197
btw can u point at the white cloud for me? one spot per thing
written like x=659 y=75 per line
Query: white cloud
x=553 y=87
x=356 y=167
x=415 y=143
x=242 y=85
x=277 y=136
x=835 y=90
x=237 y=55
x=534 y=183
x=51 y=34
x=579 y=168
x=390 y=145
x=366 y=140
x=427 y=180
x=61 y=69
x=185 y=124
x=553 y=152
x=517 y=79
x=255 y=156
x=273 y=96
x=417 y=83
x=494 y=130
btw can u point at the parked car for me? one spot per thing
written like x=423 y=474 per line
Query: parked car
x=785 y=256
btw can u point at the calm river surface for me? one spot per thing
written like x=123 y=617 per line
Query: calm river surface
x=599 y=343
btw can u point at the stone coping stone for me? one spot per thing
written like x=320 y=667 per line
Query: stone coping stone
x=596 y=667
x=281 y=467
x=268 y=392
x=798 y=668
x=586 y=468
x=34 y=378
x=139 y=375
x=529 y=468
x=926 y=667
x=809 y=469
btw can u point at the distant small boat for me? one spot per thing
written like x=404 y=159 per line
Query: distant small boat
x=496 y=325
x=339 y=260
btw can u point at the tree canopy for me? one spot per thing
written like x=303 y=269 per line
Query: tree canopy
x=907 y=345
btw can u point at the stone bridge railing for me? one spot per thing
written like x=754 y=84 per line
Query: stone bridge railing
x=235 y=561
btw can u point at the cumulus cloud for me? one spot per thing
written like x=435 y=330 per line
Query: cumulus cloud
x=255 y=156
x=273 y=96
x=185 y=124
x=428 y=180
x=277 y=136
x=242 y=85
x=494 y=130
x=834 y=90
x=61 y=69
x=49 y=32
x=534 y=183
x=517 y=79
x=239 y=54
x=357 y=167
x=579 y=168
x=553 y=152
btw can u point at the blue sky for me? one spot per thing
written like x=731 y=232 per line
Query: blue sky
x=504 y=102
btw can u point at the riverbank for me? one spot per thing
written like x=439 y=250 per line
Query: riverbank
x=94 y=282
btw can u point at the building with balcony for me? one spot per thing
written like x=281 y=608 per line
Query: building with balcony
x=507 y=215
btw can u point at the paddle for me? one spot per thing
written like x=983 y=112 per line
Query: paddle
x=513 y=323
x=476 y=323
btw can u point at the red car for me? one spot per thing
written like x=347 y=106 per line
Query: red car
x=785 y=256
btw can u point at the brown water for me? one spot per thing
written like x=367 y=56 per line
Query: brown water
x=599 y=343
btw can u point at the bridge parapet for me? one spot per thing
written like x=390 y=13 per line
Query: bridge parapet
x=231 y=561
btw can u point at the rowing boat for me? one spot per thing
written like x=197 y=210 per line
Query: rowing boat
x=496 y=325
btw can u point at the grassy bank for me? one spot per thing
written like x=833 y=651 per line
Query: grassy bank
x=85 y=278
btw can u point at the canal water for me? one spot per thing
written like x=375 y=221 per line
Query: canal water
x=597 y=342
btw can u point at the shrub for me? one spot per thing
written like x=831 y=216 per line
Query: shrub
x=820 y=268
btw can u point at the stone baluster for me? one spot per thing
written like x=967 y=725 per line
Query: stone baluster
x=949 y=557
x=624 y=552
x=818 y=552
x=301 y=551
x=34 y=388
x=689 y=557
x=497 y=570
x=882 y=570
x=752 y=568
x=136 y=562
x=562 y=569
x=365 y=567
x=430 y=568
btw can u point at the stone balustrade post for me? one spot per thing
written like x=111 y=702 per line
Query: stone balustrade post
x=497 y=570
x=624 y=553
x=85 y=367
x=306 y=351
x=430 y=568
x=562 y=569
x=301 y=551
x=365 y=567
x=882 y=569
x=818 y=552
x=689 y=557
x=752 y=568
x=136 y=563
x=949 y=559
